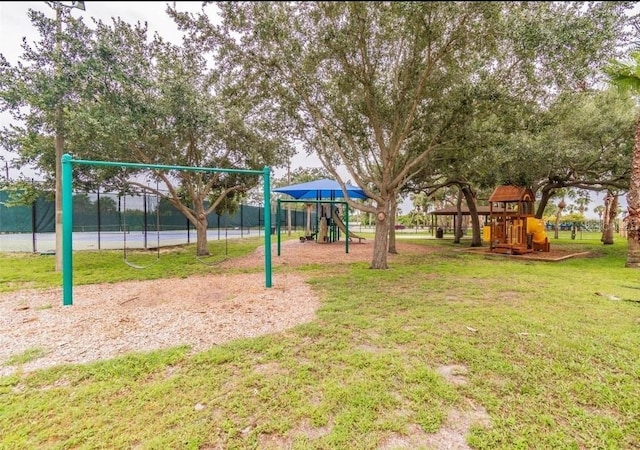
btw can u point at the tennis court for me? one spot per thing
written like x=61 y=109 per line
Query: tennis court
x=114 y=240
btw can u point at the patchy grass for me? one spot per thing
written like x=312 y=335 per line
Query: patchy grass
x=26 y=356
x=549 y=350
x=27 y=270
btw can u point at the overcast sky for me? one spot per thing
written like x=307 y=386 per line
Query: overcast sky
x=14 y=25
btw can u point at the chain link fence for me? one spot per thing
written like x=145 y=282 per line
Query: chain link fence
x=103 y=220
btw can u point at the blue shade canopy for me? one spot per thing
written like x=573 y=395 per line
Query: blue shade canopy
x=324 y=189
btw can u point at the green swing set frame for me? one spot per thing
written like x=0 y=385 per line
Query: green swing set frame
x=67 y=212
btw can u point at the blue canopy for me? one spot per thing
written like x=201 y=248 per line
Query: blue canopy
x=324 y=189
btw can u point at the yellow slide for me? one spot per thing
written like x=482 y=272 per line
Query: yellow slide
x=536 y=227
x=336 y=218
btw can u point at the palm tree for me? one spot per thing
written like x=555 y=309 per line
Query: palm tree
x=583 y=201
x=561 y=206
x=599 y=210
x=610 y=213
x=626 y=75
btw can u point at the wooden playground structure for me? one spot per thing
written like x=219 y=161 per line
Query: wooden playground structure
x=512 y=226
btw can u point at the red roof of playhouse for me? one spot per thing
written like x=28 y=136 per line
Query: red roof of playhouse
x=512 y=194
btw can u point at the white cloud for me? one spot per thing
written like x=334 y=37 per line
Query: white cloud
x=15 y=24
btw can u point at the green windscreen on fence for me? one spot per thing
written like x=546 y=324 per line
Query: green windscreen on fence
x=109 y=212
x=39 y=217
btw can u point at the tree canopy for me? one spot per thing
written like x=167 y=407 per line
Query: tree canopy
x=133 y=98
x=378 y=87
x=459 y=94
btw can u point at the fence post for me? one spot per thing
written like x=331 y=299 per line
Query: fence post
x=33 y=226
x=99 y=217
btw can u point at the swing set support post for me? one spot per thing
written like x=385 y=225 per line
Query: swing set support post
x=267 y=225
x=67 y=212
x=67 y=227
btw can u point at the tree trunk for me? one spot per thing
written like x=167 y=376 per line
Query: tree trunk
x=457 y=232
x=605 y=216
x=308 y=230
x=476 y=240
x=392 y=227
x=542 y=204
x=202 y=247
x=633 y=205
x=612 y=211
x=380 y=244
x=58 y=194
x=558 y=214
x=289 y=204
x=59 y=149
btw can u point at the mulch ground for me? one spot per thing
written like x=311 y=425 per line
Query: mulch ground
x=552 y=255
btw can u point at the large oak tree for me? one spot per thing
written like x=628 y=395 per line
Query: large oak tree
x=374 y=86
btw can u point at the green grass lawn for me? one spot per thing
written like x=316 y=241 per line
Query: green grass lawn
x=548 y=349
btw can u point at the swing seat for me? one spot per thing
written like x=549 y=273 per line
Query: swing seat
x=136 y=266
x=125 y=227
x=127 y=254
